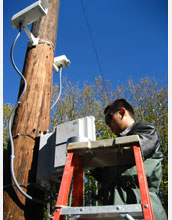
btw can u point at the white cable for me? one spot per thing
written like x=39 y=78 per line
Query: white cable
x=15 y=67
x=10 y=122
x=127 y=216
x=60 y=88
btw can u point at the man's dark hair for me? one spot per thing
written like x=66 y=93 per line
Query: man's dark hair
x=118 y=104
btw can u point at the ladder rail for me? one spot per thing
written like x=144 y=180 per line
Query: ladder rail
x=64 y=187
x=144 y=191
x=78 y=182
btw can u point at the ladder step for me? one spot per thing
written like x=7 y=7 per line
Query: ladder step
x=104 y=212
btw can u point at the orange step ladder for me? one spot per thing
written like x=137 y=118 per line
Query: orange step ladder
x=74 y=169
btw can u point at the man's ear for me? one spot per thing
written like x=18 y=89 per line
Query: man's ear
x=122 y=112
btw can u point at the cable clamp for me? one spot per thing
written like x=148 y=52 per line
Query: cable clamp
x=30 y=134
x=47 y=42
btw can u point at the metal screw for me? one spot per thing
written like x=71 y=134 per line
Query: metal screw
x=146 y=206
x=118 y=207
x=81 y=209
x=56 y=209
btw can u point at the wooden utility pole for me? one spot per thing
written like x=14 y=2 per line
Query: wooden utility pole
x=32 y=117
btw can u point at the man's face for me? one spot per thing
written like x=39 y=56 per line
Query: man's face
x=115 y=124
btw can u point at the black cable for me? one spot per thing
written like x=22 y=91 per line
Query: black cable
x=93 y=44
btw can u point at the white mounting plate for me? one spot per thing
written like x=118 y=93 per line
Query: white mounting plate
x=30 y=14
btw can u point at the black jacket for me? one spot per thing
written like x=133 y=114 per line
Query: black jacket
x=149 y=137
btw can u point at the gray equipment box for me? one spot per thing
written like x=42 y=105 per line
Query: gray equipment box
x=52 y=148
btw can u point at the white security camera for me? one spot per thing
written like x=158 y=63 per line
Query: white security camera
x=30 y=14
x=60 y=61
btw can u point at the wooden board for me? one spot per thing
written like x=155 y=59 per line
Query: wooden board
x=108 y=152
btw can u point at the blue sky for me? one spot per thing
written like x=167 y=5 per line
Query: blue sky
x=130 y=36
